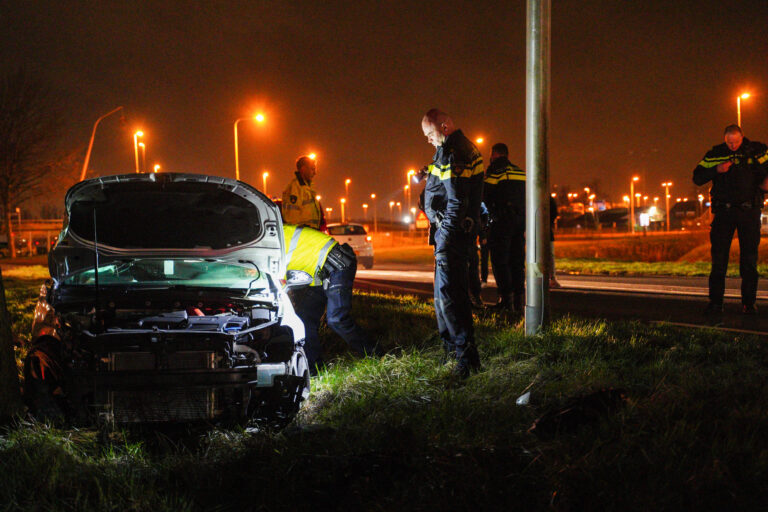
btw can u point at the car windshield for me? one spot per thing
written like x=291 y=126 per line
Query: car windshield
x=346 y=230
x=172 y=272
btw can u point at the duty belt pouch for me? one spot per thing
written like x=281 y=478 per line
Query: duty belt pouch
x=340 y=257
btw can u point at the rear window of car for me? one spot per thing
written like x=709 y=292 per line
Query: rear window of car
x=346 y=230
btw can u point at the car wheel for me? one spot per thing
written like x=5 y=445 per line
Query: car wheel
x=300 y=368
x=368 y=264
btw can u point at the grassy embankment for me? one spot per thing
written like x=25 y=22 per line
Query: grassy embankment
x=398 y=434
x=661 y=256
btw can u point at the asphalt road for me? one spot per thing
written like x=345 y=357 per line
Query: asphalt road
x=678 y=300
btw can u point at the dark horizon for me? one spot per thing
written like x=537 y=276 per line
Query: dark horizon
x=637 y=88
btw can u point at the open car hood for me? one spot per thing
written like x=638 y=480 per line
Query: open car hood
x=168 y=215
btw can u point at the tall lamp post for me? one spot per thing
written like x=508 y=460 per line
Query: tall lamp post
x=143 y=156
x=157 y=167
x=399 y=210
x=375 y=215
x=632 y=204
x=343 y=201
x=738 y=106
x=365 y=211
x=136 y=148
x=666 y=186
x=93 y=136
x=259 y=118
x=391 y=205
x=264 y=177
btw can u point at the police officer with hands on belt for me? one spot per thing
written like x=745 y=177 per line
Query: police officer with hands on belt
x=332 y=268
x=504 y=196
x=452 y=198
x=737 y=169
x=300 y=204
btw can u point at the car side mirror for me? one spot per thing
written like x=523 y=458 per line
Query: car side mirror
x=295 y=279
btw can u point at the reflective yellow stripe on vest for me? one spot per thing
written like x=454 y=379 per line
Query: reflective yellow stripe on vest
x=306 y=250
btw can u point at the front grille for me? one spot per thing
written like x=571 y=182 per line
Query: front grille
x=183 y=360
x=174 y=404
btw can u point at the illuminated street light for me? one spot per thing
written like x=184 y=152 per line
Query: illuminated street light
x=626 y=200
x=259 y=118
x=312 y=156
x=632 y=204
x=399 y=209
x=479 y=140
x=740 y=97
x=90 y=144
x=264 y=177
x=157 y=167
x=554 y=195
x=375 y=215
x=365 y=211
x=391 y=205
x=346 y=186
x=407 y=195
x=343 y=201
x=666 y=186
x=136 y=147
x=143 y=157
x=645 y=200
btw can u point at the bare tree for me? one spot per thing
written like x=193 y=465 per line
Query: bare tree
x=30 y=131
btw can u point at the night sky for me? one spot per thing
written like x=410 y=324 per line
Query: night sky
x=638 y=87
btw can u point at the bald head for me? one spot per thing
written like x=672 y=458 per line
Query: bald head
x=437 y=126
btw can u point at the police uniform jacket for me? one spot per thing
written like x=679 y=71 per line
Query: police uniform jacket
x=504 y=194
x=300 y=204
x=453 y=192
x=307 y=250
x=739 y=187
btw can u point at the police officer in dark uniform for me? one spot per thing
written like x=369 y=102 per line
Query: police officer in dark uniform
x=504 y=196
x=452 y=198
x=736 y=169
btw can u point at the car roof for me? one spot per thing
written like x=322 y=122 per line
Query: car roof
x=345 y=224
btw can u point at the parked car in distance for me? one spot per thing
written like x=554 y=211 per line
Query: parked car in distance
x=167 y=303
x=356 y=236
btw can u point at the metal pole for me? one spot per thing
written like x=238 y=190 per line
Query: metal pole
x=237 y=160
x=90 y=144
x=538 y=269
x=738 y=110
x=136 y=150
x=632 y=207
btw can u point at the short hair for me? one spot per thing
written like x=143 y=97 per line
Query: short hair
x=733 y=128
x=302 y=161
x=436 y=116
x=500 y=148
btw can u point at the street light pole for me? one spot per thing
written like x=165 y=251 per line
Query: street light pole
x=136 y=148
x=343 y=201
x=391 y=205
x=259 y=118
x=143 y=156
x=666 y=186
x=264 y=177
x=632 y=204
x=738 y=107
x=375 y=215
x=537 y=102
x=90 y=144
x=365 y=212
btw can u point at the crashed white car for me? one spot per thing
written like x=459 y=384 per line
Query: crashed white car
x=167 y=303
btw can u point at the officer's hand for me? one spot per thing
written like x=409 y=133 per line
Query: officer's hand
x=724 y=167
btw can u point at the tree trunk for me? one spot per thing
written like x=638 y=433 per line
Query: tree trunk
x=10 y=398
x=9 y=231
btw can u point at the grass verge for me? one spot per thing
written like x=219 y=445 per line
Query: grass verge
x=399 y=433
x=639 y=268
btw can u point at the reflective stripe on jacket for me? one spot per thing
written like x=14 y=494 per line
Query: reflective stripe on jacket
x=300 y=204
x=306 y=249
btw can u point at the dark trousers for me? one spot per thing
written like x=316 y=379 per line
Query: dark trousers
x=474 y=269
x=484 y=260
x=311 y=302
x=452 y=306
x=507 y=248
x=746 y=222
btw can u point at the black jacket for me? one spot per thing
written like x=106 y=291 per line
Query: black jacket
x=504 y=194
x=740 y=185
x=453 y=192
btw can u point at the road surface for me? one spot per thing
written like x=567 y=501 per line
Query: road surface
x=679 y=300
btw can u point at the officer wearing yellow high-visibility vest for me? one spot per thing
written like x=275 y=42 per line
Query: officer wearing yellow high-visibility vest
x=300 y=204
x=504 y=196
x=452 y=197
x=332 y=267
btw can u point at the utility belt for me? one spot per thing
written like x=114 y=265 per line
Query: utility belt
x=746 y=205
x=340 y=257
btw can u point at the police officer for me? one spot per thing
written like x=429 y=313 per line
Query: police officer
x=300 y=204
x=736 y=169
x=452 y=197
x=332 y=267
x=504 y=196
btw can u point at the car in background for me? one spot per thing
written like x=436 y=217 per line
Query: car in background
x=167 y=303
x=359 y=239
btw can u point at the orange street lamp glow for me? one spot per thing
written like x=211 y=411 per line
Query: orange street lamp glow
x=365 y=211
x=136 y=136
x=157 y=167
x=346 y=186
x=740 y=97
x=259 y=118
x=318 y=198
x=264 y=177
x=312 y=156
x=554 y=194
x=479 y=140
x=343 y=201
